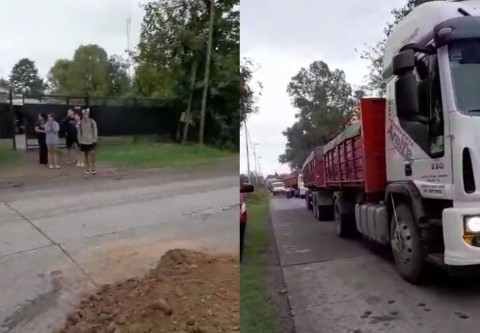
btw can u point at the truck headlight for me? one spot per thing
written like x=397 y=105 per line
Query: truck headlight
x=472 y=224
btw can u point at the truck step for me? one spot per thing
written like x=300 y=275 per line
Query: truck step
x=436 y=259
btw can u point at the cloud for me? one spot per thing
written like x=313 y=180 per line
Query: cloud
x=283 y=36
x=46 y=30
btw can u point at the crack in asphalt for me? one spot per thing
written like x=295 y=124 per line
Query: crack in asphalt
x=326 y=260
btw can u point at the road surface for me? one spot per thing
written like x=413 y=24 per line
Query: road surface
x=57 y=242
x=342 y=286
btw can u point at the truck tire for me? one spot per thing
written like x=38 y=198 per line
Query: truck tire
x=344 y=225
x=324 y=213
x=308 y=203
x=408 y=253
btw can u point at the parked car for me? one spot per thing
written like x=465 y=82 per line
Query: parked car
x=245 y=188
x=278 y=188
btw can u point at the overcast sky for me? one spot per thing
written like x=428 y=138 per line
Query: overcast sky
x=45 y=30
x=284 y=35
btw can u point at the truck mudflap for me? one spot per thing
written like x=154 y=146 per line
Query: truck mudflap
x=460 y=249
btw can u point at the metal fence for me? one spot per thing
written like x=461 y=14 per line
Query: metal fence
x=114 y=116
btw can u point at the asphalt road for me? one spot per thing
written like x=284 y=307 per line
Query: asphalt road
x=58 y=242
x=344 y=286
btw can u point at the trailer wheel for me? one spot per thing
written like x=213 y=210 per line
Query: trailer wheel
x=343 y=224
x=324 y=213
x=406 y=246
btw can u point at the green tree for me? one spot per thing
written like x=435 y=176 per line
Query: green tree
x=24 y=78
x=374 y=54
x=59 y=81
x=4 y=83
x=325 y=102
x=171 y=59
x=118 y=79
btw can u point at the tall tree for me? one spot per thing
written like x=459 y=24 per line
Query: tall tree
x=325 y=104
x=24 y=78
x=374 y=54
x=173 y=37
x=118 y=79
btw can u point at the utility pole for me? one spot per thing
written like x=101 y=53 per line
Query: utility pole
x=256 y=162
x=207 y=74
x=248 y=154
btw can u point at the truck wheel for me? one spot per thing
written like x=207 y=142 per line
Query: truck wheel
x=343 y=223
x=324 y=213
x=407 y=249
x=308 y=203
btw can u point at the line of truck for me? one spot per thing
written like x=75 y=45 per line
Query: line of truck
x=408 y=174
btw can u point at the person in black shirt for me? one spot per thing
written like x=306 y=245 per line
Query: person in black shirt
x=41 y=136
x=69 y=131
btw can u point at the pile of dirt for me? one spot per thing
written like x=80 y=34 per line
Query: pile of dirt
x=188 y=291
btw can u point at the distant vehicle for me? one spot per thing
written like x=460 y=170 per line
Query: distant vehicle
x=245 y=188
x=294 y=184
x=278 y=188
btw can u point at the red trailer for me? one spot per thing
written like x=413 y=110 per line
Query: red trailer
x=349 y=168
x=291 y=181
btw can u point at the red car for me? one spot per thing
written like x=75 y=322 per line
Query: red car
x=245 y=188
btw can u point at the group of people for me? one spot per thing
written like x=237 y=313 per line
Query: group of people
x=81 y=136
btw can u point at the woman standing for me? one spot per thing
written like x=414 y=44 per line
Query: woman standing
x=51 y=130
x=88 y=138
x=41 y=137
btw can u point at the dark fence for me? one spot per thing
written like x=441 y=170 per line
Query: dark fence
x=6 y=121
x=114 y=116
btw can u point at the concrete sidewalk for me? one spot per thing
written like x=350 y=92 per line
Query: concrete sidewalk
x=56 y=244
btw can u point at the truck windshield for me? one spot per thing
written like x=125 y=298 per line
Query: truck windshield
x=464 y=57
x=277 y=184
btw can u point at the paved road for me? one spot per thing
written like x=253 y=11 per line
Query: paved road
x=59 y=242
x=340 y=286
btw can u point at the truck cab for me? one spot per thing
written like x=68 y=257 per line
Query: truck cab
x=432 y=73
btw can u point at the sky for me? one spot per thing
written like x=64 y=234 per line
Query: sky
x=46 y=30
x=281 y=37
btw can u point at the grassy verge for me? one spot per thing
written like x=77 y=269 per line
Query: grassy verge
x=149 y=154
x=258 y=315
x=9 y=158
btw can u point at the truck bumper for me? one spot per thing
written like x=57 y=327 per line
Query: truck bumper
x=457 y=251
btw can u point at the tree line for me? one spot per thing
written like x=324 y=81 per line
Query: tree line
x=168 y=63
x=326 y=103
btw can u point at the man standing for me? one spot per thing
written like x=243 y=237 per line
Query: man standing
x=88 y=138
x=69 y=131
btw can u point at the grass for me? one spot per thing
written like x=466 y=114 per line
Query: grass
x=9 y=158
x=149 y=154
x=258 y=315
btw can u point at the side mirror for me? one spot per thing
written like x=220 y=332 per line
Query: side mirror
x=247 y=188
x=406 y=96
x=403 y=62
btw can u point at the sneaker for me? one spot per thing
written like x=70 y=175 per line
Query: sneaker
x=93 y=172
x=57 y=166
x=87 y=172
x=50 y=167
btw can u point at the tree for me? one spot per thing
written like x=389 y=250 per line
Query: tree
x=374 y=54
x=59 y=80
x=90 y=72
x=24 y=78
x=172 y=48
x=4 y=83
x=118 y=79
x=248 y=97
x=325 y=103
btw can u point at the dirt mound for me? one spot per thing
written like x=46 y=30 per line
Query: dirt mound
x=188 y=291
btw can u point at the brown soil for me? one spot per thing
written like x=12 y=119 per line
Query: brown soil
x=188 y=291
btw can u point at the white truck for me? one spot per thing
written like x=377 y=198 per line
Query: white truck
x=428 y=206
